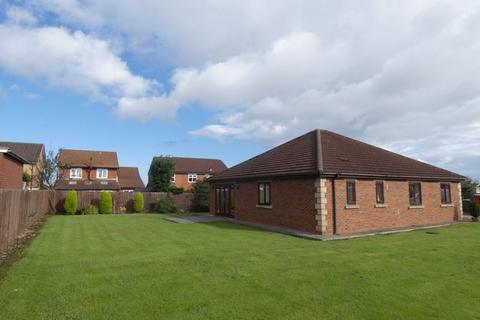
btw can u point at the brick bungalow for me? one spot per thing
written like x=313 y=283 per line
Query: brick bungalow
x=33 y=153
x=11 y=169
x=326 y=183
x=88 y=170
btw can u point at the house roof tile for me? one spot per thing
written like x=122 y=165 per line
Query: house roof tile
x=87 y=158
x=322 y=152
x=30 y=152
x=129 y=178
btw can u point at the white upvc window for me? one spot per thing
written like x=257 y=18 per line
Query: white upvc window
x=102 y=173
x=172 y=180
x=192 y=177
x=76 y=173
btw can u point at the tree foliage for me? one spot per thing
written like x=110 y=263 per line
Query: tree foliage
x=49 y=171
x=165 y=205
x=71 y=202
x=160 y=173
x=469 y=187
x=138 y=202
x=200 y=196
x=105 y=204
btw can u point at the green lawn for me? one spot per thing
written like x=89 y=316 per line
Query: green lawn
x=142 y=267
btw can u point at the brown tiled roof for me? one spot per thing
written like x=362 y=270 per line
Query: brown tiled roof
x=87 y=185
x=82 y=158
x=129 y=178
x=198 y=165
x=13 y=155
x=31 y=152
x=321 y=152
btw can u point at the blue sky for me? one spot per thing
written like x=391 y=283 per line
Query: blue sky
x=231 y=79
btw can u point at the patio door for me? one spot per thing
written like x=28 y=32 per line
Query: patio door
x=224 y=200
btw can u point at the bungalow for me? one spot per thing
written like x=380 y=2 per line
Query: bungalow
x=88 y=170
x=189 y=170
x=33 y=153
x=11 y=169
x=326 y=183
x=129 y=179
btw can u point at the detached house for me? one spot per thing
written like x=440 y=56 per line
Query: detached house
x=88 y=170
x=326 y=183
x=11 y=169
x=34 y=156
x=189 y=170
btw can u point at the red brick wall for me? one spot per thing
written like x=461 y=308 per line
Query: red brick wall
x=397 y=214
x=293 y=203
x=181 y=181
x=11 y=172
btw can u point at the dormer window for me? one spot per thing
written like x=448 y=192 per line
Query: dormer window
x=102 y=173
x=76 y=173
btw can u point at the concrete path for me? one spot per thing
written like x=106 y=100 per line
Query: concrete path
x=197 y=219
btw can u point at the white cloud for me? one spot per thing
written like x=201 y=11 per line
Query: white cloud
x=20 y=15
x=76 y=61
x=404 y=75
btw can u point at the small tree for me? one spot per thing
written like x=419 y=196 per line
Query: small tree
x=160 y=173
x=26 y=177
x=105 y=204
x=49 y=171
x=469 y=187
x=71 y=202
x=474 y=209
x=138 y=202
x=201 y=196
x=165 y=205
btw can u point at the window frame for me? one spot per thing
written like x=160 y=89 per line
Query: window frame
x=72 y=176
x=102 y=176
x=266 y=192
x=192 y=177
x=415 y=203
x=351 y=202
x=448 y=196
x=382 y=200
x=173 y=178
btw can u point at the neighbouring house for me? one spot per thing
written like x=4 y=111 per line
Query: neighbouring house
x=129 y=179
x=11 y=169
x=189 y=170
x=329 y=184
x=476 y=196
x=34 y=154
x=88 y=170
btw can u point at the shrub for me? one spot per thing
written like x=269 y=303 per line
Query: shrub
x=474 y=209
x=26 y=177
x=71 y=202
x=138 y=202
x=89 y=210
x=201 y=196
x=165 y=205
x=105 y=204
x=176 y=190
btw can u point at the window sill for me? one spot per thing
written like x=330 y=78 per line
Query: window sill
x=263 y=206
x=352 y=206
x=416 y=207
x=381 y=205
x=446 y=205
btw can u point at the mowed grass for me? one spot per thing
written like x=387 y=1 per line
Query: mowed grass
x=142 y=267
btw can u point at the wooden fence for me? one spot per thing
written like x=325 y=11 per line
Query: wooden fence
x=21 y=209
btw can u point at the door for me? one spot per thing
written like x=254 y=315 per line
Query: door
x=224 y=204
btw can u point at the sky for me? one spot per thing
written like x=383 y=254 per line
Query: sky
x=231 y=79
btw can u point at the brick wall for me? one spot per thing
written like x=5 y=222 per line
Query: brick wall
x=292 y=203
x=181 y=180
x=11 y=171
x=396 y=214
